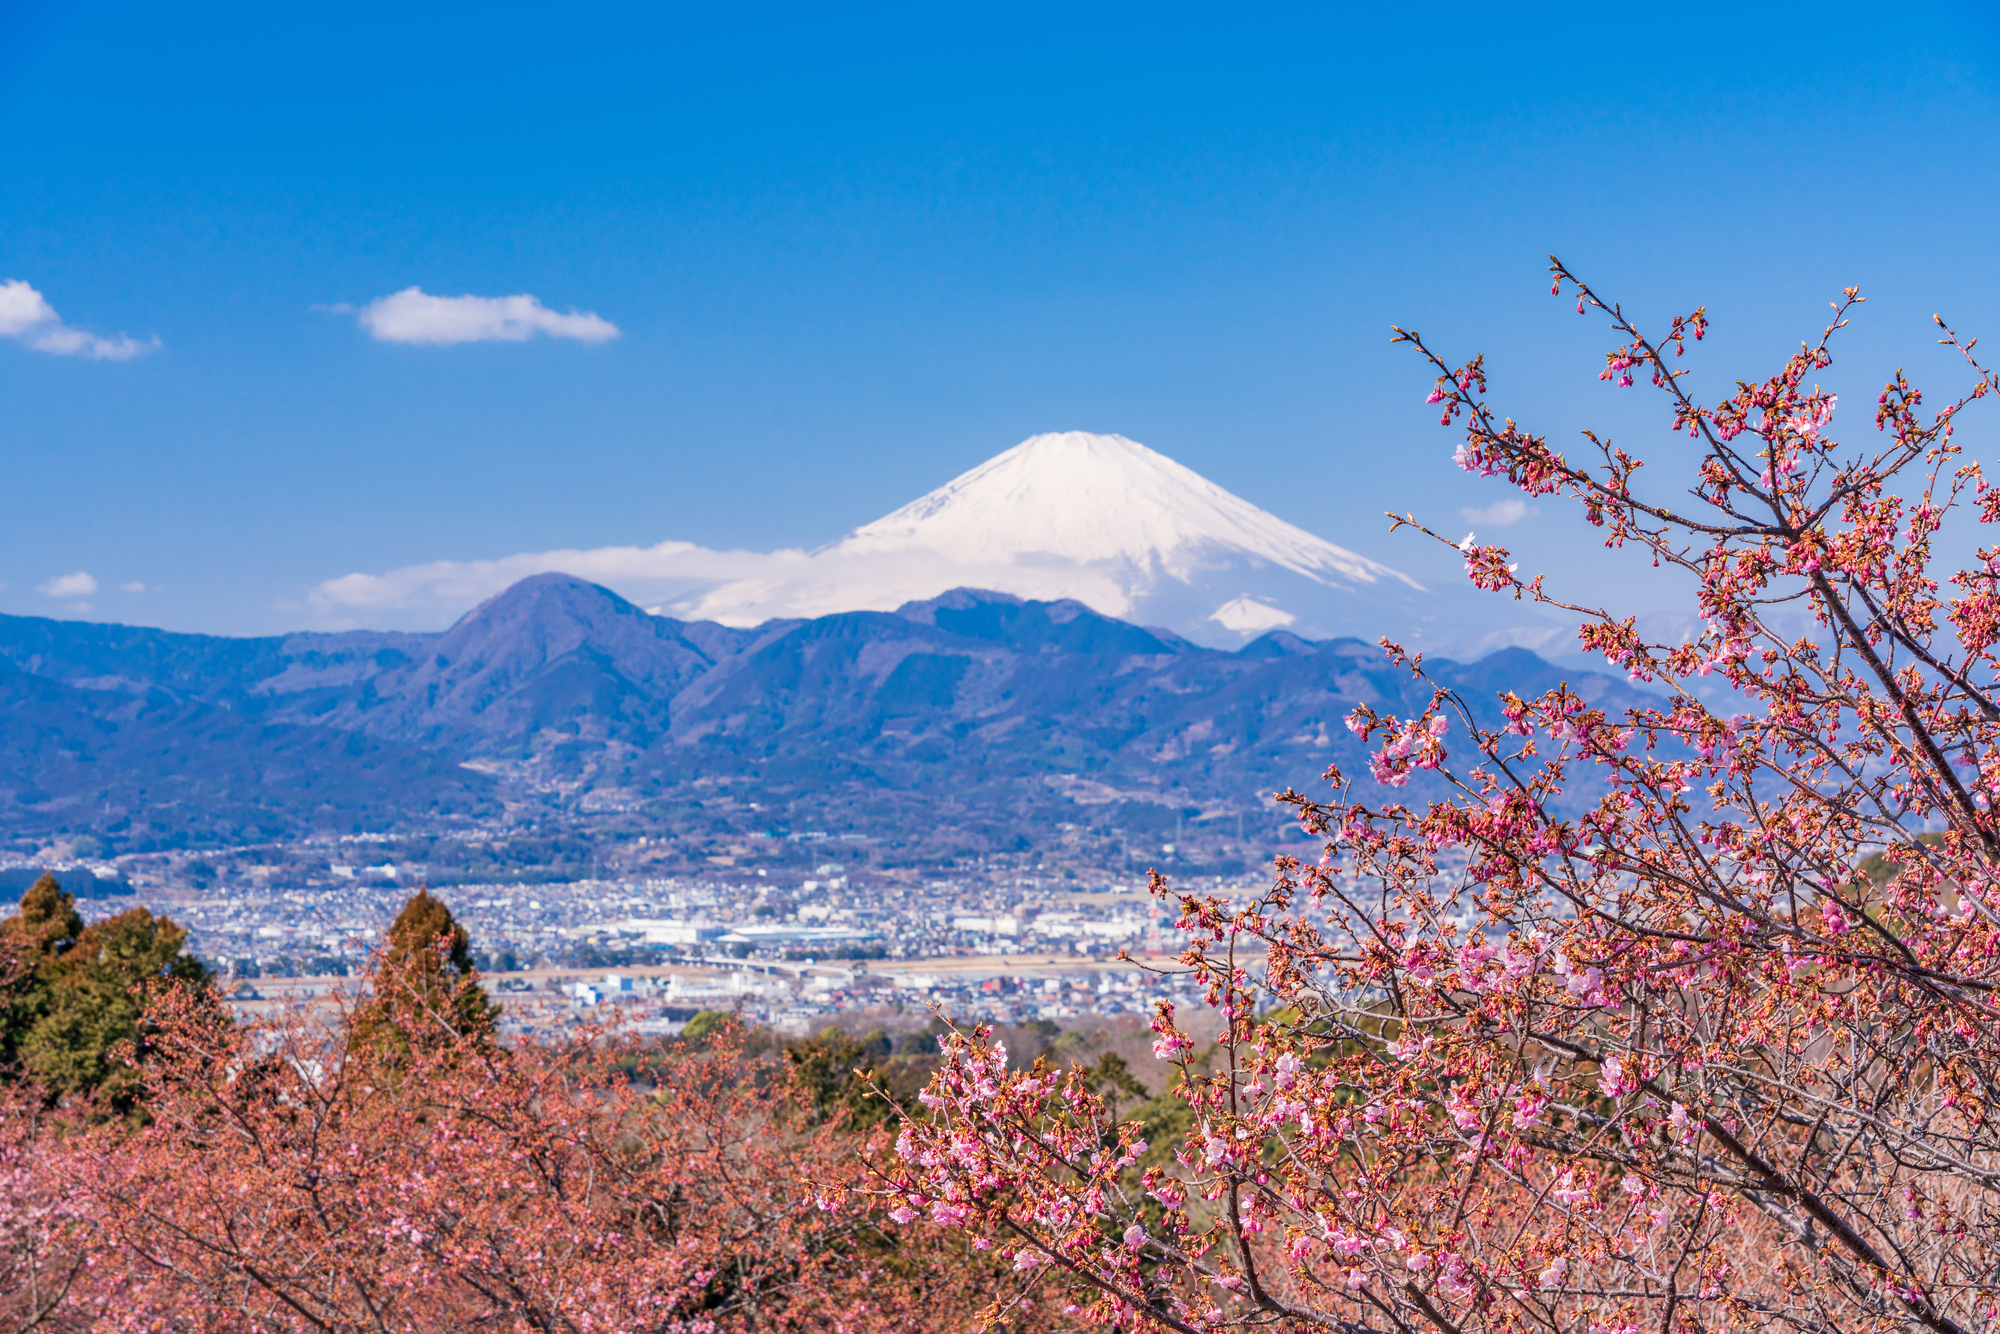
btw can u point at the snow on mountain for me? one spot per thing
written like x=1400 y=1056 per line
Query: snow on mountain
x=1085 y=498
x=1102 y=519
x=1099 y=518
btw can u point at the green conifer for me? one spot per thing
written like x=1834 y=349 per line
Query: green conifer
x=75 y=995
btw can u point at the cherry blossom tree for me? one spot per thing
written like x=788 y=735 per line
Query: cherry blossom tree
x=308 y=1174
x=1718 y=1048
x=48 y=1236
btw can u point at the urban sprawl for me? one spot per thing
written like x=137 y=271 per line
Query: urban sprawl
x=999 y=939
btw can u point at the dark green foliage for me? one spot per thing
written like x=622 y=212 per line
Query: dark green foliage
x=1165 y=1122
x=835 y=1071
x=75 y=995
x=923 y=1042
x=1111 y=1078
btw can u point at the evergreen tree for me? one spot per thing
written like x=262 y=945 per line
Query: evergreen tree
x=834 y=1073
x=426 y=988
x=704 y=1023
x=75 y=994
x=46 y=926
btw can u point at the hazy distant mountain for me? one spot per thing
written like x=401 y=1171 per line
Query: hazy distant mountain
x=981 y=699
x=975 y=689
x=145 y=770
x=1097 y=519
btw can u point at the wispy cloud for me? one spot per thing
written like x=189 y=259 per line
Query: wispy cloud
x=415 y=316
x=668 y=572
x=27 y=317
x=690 y=582
x=1499 y=514
x=69 y=586
x=134 y=587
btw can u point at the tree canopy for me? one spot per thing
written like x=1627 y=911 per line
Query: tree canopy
x=425 y=988
x=75 y=996
x=1714 y=1048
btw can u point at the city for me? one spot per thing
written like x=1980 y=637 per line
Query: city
x=788 y=945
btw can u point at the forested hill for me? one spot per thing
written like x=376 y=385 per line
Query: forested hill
x=975 y=703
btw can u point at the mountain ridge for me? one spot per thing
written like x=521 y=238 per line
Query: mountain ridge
x=559 y=686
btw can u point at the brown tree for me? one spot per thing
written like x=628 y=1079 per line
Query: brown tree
x=1680 y=1018
x=426 y=991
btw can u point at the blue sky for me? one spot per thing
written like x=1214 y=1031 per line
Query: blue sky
x=849 y=257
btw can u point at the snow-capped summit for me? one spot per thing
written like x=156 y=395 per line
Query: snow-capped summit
x=1077 y=497
x=1101 y=519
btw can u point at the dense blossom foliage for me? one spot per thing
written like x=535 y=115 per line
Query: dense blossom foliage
x=309 y=1174
x=1719 y=1050
x=48 y=1237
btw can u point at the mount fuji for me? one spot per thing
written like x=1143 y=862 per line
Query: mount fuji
x=1099 y=519
x=1103 y=520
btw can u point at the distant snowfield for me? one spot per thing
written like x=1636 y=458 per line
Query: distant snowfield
x=1098 y=518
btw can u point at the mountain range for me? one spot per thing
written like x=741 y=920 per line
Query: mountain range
x=976 y=707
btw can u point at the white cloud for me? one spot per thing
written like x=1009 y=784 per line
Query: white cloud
x=69 y=586
x=27 y=316
x=135 y=588
x=414 y=316
x=676 y=573
x=1499 y=514
x=688 y=582
x=747 y=588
